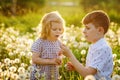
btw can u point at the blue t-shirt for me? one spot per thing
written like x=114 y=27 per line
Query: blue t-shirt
x=100 y=57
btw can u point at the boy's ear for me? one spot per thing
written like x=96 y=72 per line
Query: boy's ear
x=101 y=29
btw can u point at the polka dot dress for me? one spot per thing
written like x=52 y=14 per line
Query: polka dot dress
x=46 y=49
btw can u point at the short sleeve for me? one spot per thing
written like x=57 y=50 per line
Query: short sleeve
x=59 y=42
x=102 y=57
x=37 y=46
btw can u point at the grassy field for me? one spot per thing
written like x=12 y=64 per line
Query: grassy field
x=17 y=34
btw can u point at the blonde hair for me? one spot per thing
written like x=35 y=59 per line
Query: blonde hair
x=99 y=18
x=46 y=23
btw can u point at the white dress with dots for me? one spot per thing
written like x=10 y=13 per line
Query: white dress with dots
x=47 y=50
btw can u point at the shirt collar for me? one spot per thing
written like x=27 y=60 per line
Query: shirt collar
x=100 y=43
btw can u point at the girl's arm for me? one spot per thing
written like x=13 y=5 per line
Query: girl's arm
x=37 y=60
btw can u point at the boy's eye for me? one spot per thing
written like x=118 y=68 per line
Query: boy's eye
x=87 y=28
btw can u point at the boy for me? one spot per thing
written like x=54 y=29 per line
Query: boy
x=99 y=60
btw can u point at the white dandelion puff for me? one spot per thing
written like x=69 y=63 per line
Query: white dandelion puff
x=21 y=70
x=90 y=77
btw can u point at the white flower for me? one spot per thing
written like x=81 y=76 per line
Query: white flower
x=116 y=77
x=83 y=44
x=22 y=53
x=14 y=76
x=90 y=77
x=22 y=76
x=30 y=61
x=30 y=68
x=12 y=61
x=21 y=70
x=75 y=44
x=13 y=69
x=23 y=65
x=82 y=59
x=118 y=61
x=83 y=52
x=0 y=70
x=102 y=78
x=37 y=75
x=114 y=56
x=17 y=60
x=29 y=54
x=27 y=74
x=83 y=39
x=7 y=61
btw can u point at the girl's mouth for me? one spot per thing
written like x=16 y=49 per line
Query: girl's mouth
x=57 y=35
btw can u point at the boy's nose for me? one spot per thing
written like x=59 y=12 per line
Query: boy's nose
x=84 y=31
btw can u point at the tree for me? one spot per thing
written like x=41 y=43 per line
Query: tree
x=18 y=7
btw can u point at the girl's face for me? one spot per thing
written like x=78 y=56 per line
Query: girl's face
x=92 y=34
x=55 y=31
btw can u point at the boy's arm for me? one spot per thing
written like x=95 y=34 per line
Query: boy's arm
x=84 y=71
x=37 y=60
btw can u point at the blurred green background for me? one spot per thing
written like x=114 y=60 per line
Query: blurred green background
x=19 y=20
x=26 y=14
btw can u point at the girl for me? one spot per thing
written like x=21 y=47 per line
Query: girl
x=46 y=49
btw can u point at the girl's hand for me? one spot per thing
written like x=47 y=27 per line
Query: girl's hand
x=57 y=61
x=70 y=66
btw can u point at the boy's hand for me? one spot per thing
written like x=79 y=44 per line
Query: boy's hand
x=70 y=66
x=66 y=50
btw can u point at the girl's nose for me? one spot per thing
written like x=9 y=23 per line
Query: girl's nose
x=59 y=31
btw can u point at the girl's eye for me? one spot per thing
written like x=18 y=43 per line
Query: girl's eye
x=60 y=29
x=54 y=29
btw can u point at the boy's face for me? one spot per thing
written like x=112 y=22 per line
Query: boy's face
x=55 y=31
x=92 y=33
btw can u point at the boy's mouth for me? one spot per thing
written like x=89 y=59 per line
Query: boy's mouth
x=85 y=36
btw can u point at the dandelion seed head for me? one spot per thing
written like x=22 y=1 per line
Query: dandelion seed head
x=21 y=70
x=90 y=77
x=116 y=77
x=37 y=75
x=7 y=61
x=102 y=78
x=17 y=60
x=22 y=76
x=13 y=69
x=83 y=52
x=30 y=68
